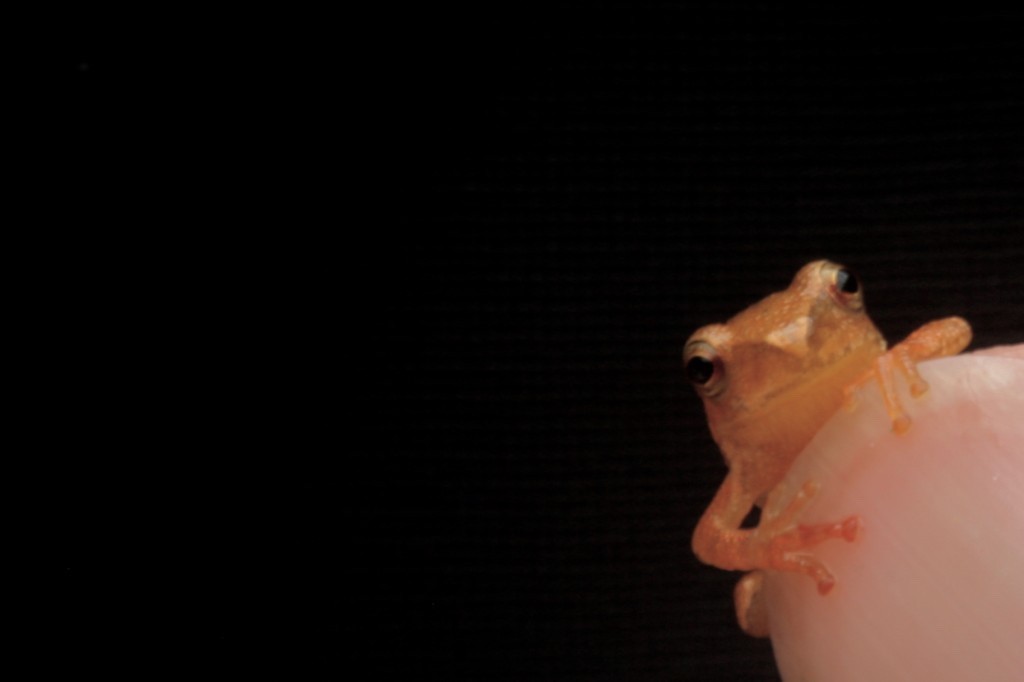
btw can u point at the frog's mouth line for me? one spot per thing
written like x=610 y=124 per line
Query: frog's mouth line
x=790 y=417
x=829 y=380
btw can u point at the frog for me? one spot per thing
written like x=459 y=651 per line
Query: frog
x=769 y=378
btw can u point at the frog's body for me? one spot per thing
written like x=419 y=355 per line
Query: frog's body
x=770 y=377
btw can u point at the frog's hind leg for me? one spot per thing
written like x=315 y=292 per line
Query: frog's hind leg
x=751 y=610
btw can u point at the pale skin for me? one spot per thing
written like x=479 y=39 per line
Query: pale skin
x=770 y=377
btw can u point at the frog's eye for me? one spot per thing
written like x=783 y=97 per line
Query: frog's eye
x=704 y=367
x=844 y=286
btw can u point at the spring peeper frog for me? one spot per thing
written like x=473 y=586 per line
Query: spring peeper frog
x=770 y=378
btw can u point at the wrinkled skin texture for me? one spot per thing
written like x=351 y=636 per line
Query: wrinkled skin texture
x=933 y=587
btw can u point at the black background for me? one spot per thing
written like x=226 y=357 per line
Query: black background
x=370 y=325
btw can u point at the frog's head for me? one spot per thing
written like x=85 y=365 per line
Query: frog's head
x=781 y=365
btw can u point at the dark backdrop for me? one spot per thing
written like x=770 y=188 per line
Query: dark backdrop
x=428 y=276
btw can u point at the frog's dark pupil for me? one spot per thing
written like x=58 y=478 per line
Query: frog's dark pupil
x=846 y=282
x=699 y=370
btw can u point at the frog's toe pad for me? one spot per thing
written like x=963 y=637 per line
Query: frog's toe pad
x=851 y=528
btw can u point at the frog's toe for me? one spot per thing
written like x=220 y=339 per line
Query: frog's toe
x=809 y=535
x=851 y=528
x=900 y=424
x=826 y=584
x=810 y=566
x=918 y=388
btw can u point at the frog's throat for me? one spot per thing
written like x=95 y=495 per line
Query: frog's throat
x=787 y=421
x=827 y=381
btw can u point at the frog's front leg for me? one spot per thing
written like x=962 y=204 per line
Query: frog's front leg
x=775 y=544
x=934 y=340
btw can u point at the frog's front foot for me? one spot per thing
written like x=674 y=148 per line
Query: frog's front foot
x=782 y=543
x=784 y=549
x=935 y=339
x=883 y=372
x=784 y=552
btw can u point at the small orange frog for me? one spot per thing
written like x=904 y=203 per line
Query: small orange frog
x=770 y=378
